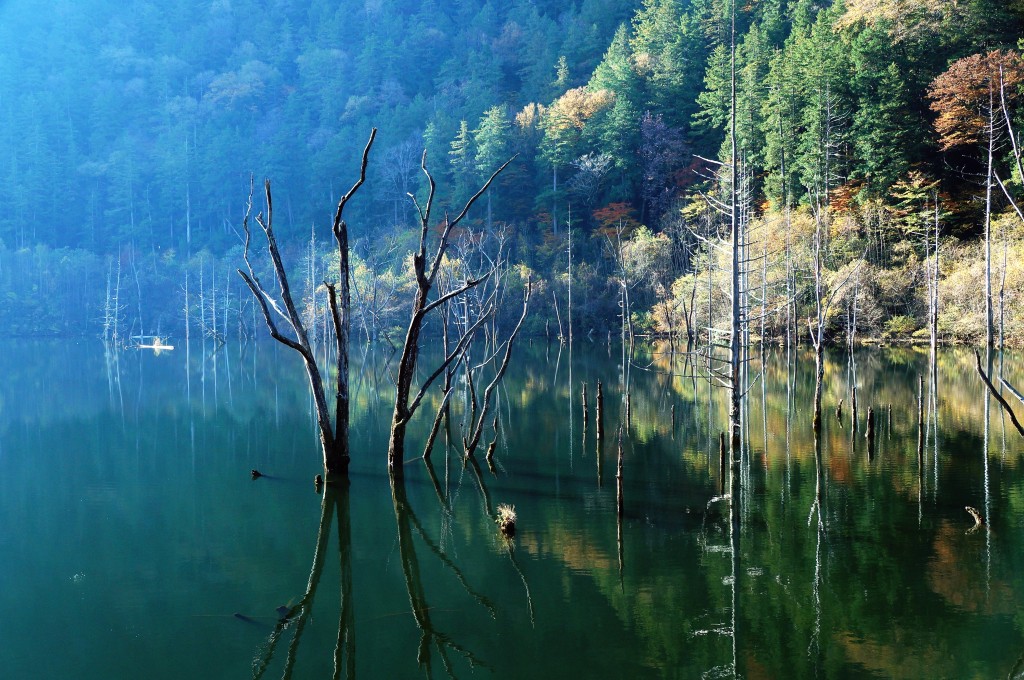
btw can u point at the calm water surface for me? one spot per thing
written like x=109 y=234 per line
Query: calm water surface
x=135 y=544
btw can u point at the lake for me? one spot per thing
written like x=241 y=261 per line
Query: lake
x=136 y=544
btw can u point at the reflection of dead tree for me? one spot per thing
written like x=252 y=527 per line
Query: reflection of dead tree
x=446 y=561
x=426 y=273
x=999 y=397
x=335 y=503
x=817 y=506
x=492 y=515
x=333 y=438
x=522 y=577
x=417 y=596
x=618 y=512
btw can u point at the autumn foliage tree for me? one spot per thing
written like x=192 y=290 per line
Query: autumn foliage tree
x=903 y=19
x=970 y=99
x=966 y=97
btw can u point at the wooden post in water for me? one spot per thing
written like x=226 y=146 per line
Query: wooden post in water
x=888 y=424
x=600 y=411
x=871 y=432
x=721 y=463
x=629 y=410
x=839 y=410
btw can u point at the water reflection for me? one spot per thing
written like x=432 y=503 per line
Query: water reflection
x=335 y=506
x=430 y=636
x=827 y=565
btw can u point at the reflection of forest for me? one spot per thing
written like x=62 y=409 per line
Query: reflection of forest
x=881 y=584
x=889 y=581
x=895 y=561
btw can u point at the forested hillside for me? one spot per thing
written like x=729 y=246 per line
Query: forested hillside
x=131 y=130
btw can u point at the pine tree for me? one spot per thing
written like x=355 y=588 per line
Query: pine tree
x=461 y=160
x=492 y=141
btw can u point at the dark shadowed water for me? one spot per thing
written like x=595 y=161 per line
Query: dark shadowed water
x=133 y=542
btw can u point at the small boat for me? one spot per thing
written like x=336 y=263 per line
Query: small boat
x=157 y=345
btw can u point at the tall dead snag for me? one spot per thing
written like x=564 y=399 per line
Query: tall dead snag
x=333 y=437
x=426 y=275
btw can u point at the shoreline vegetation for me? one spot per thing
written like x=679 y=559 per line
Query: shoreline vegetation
x=867 y=154
x=74 y=293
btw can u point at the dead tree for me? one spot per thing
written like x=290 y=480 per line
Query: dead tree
x=487 y=297
x=333 y=437
x=426 y=272
x=470 y=443
x=824 y=296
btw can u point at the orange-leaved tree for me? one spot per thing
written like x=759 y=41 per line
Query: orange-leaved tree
x=971 y=99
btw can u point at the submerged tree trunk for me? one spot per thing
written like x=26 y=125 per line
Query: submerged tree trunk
x=406 y=402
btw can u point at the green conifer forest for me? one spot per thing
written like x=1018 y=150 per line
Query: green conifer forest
x=882 y=136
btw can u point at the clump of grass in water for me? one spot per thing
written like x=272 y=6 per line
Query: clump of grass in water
x=506 y=520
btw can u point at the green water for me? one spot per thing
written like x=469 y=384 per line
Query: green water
x=132 y=533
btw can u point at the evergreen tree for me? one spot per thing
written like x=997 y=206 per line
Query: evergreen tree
x=461 y=159
x=491 y=139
